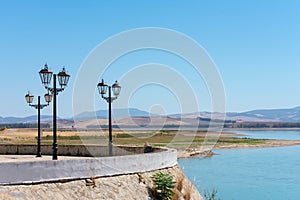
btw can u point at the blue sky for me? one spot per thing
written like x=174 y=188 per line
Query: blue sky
x=254 y=44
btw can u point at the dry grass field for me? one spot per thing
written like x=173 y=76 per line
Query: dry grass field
x=175 y=139
x=188 y=144
x=137 y=138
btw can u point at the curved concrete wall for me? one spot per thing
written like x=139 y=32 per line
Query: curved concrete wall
x=71 y=150
x=42 y=170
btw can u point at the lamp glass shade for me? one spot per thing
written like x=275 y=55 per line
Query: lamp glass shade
x=116 y=88
x=102 y=87
x=48 y=97
x=29 y=98
x=63 y=78
x=45 y=75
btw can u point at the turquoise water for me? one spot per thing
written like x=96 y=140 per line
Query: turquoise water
x=280 y=135
x=256 y=174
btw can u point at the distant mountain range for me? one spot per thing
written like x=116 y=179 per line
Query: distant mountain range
x=263 y=115
x=116 y=113
x=29 y=119
x=268 y=115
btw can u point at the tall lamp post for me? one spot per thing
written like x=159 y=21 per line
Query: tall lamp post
x=29 y=98
x=63 y=78
x=116 y=88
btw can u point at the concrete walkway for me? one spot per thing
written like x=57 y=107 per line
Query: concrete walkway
x=20 y=169
x=33 y=158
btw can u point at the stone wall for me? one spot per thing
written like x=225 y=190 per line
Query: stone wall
x=126 y=176
x=72 y=150
x=34 y=170
x=138 y=186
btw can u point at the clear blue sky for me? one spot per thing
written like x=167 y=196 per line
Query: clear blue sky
x=254 y=44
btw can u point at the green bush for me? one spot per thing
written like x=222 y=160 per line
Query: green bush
x=212 y=195
x=123 y=135
x=164 y=186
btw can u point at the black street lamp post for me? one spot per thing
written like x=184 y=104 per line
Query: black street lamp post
x=38 y=106
x=63 y=78
x=116 y=88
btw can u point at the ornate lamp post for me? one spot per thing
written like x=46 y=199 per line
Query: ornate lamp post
x=38 y=106
x=116 y=88
x=63 y=78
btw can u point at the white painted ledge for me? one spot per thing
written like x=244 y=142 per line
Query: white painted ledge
x=41 y=170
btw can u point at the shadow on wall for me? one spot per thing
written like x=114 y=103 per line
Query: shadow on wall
x=77 y=150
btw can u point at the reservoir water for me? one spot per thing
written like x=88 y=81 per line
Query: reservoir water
x=279 y=135
x=244 y=174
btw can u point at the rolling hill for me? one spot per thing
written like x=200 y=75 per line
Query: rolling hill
x=132 y=114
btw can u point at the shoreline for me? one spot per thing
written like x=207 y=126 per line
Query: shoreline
x=261 y=129
x=197 y=153
x=267 y=144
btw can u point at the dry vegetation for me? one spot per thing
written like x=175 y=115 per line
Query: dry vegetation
x=138 y=138
x=179 y=140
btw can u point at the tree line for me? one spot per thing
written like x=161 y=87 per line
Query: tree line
x=23 y=125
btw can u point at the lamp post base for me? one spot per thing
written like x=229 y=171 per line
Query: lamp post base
x=110 y=146
x=55 y=148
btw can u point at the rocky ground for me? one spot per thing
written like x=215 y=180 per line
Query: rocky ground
x=124 y=187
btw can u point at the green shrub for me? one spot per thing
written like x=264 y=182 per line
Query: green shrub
x=164 y=186
x=212 y=195
x=123 y=135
